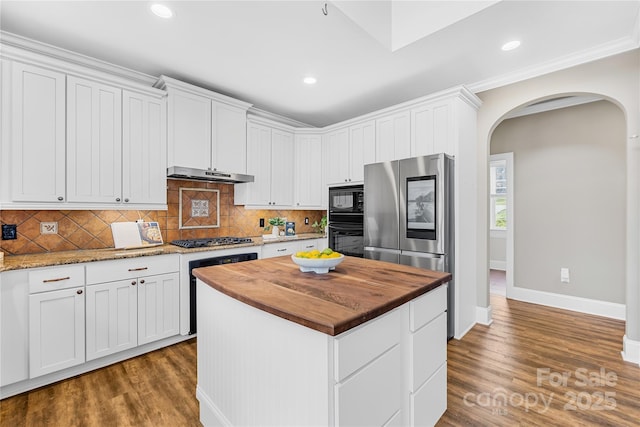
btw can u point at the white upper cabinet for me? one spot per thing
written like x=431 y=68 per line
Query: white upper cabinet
x=37 y=140
x=189 y=129
x=229 y=135
x=206 y=130
x=347 y=150
x=336 y=157
x=393 y=137
x=308 y=171
x=432 y=129
x=94 y=142
x=270 y=158
x=282 y=157
x=144 y=142
x=362 y=148
x=80 y=139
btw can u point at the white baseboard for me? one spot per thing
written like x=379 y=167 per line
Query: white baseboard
x=484 y=315
x=630 y=350
x=569 y=302
x=498 y=265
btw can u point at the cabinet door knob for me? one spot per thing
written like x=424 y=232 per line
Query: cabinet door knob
x=79 y=292
x=117 y=199
x=133 y=283
x=142 y=282
x=60 y=198
x=126 y=200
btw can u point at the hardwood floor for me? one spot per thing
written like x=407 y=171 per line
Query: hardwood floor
x=493 y=375
x=156 y=389
x=511 y=373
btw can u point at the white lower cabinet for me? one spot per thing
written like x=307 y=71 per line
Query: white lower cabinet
x=112 y=310
x=134 y=309
x=373 y=395
x=158 y=307
x=429 y=402
x=56 y=319
x=14 y=327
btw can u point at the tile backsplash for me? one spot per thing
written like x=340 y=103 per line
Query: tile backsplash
x=92 y=229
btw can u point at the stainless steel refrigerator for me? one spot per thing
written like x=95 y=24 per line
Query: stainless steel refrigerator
x=409 y=215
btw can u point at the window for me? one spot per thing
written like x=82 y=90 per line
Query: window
x=498 y=188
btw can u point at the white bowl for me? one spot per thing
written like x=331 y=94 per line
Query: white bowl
x=317 y=265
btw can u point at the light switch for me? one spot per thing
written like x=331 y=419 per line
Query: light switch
x=564 y=275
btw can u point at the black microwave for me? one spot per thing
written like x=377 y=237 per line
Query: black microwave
x=348 y=199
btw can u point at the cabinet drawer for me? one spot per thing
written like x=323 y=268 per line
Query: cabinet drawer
x=271 y=250
x=357 y=347
x=52 y=279
x=373 y=395
x=308 y=245
x=110 y=271
x=428 y=307
x=430 y=401
x=428 y=350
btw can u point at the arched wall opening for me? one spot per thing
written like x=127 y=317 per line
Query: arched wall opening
x=617 y=79
x=568 y=192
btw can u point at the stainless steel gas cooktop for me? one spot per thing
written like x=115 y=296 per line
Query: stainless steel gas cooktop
x=212 y=241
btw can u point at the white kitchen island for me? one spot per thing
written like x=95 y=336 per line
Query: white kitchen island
x=362 y=345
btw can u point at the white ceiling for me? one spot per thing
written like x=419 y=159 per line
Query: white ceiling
x=259 y=51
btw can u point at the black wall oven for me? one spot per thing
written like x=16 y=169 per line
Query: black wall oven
x=346 y=220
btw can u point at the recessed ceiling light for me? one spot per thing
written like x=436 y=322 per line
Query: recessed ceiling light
x=161 y=10
x=513 y=44
x=310 y=80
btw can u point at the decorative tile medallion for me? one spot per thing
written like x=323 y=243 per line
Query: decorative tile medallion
x=199 y=208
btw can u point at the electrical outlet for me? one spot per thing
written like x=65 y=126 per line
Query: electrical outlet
x=48 y=228
x=306 y=220
x=9 y=231
x=564 y=275
x=261 y=222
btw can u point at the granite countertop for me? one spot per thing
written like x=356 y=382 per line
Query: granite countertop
x=17 y=262
x=357 y=291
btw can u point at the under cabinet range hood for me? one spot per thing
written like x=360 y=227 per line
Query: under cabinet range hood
x=207 y=175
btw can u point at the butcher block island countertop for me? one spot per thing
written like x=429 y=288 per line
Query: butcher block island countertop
x=357 y=290
x=364 y=344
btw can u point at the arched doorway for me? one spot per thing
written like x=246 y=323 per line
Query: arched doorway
x=564 y=240
x=614 y=78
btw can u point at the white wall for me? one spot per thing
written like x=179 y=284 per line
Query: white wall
x=616 y=78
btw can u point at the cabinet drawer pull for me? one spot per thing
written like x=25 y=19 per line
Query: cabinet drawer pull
x=79 y=292
x=139 y=269
x=59 y=279
x=281 y=250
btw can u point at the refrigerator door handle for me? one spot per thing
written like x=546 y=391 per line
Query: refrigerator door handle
x=422 y=254
x=384 y=250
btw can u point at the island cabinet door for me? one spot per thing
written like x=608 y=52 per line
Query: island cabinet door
x=373 y=395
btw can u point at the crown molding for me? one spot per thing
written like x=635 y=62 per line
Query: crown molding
x=277 y=118
x=58 y=54
x=615 y=47
x=166 y=83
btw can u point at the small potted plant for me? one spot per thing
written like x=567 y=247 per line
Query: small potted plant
x=320 y=227
x=275 y=223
